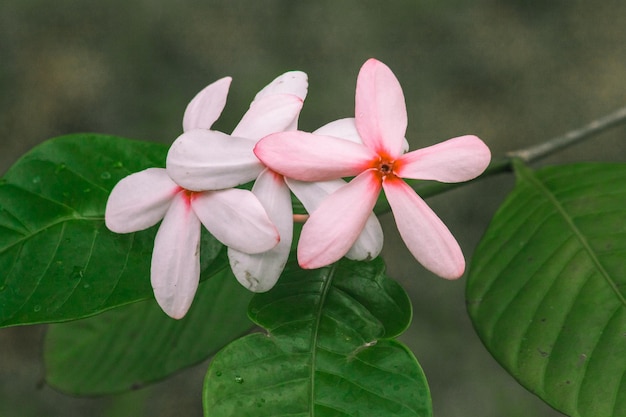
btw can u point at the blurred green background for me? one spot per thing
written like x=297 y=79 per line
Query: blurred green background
x=514 y=72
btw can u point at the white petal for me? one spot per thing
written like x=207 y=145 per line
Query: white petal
x=237 y=219
x=175 y=269
x=369 y=243
x=455 y=160
x=291 y=82
x=270 y=114
x=139 y=201
x=428 y=239
x=342 y=128
x=259 y=272
x=346 y=129
x=205 y=108
x=335 y=225
x=202 y=160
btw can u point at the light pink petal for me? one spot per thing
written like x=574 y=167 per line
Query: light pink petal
x=369 y=243
x=202 y=160
x=237 y=219
x=428 y=239
x=332 y=229
x=291 y=82
x=175 y=269
x=259 y=272
x=455 y=160
x=274 y=113
x=139 y=201
x=205 y=108
x=380 y=109
x=346 y=129
x=342 y=128
x=307 y=157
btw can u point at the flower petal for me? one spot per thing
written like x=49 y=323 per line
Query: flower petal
x=202 y=160
x=380 y=110
x=307 y=157
x=270 y=114
x=342 y=128
x=346 y=129
x=205 y=108
x=139 y=201
x=428 y=239
x=237 y=219
x=175 y=269
x=455 y=160
x=369 y=243
x=291 y=82
x=332 y=229
x=259 y=272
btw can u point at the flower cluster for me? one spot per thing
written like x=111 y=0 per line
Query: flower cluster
x=204 y=167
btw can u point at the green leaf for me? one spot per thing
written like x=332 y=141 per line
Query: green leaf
x=133 y=345
x=546 y=287
x=58 y=261
x=329 y=351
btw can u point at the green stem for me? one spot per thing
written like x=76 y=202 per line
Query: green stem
x=505 y=164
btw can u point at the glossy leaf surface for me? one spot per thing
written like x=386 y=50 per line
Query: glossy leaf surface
x=546 y=288
x=133 y=345
x=329 y=351
x=58 y=261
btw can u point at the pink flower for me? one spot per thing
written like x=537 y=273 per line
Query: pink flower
x=378 y=163
x=199 y=158
x=233 y=216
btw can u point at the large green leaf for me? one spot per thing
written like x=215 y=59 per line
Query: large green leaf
x=546 y=288
x=58 y=261
x=329 y=350
x=133 y=345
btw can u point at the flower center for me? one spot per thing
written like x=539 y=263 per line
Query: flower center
x=385 y=167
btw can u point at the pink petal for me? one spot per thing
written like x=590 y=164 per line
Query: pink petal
x=346 y=129
x=139 y=201
x=205 y=108
x=369 y=243
x=307 y=157
x=237 y=219
x=291 y=82
x=202 y=160
x=274 y=113
x=380 y=110
x=428 y=239
x=259 y=272
x=333 y=228
x=455 y=160
x=175 y=269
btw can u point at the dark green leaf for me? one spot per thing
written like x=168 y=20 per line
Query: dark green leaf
x=133 y=345
x=58 y=261
x=329 y=351
x=546 y=287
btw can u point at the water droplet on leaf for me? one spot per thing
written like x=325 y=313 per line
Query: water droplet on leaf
x=105 y=175
x=77 y=273
x=239 y=379
x=37 y=308
x=118 y=164
x=37 y=179
x=59 y=168
x=218 y=373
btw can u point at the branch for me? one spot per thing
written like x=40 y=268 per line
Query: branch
x=542 y=150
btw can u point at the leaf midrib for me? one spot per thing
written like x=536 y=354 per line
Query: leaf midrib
x=527 y=175
x=327 y=279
